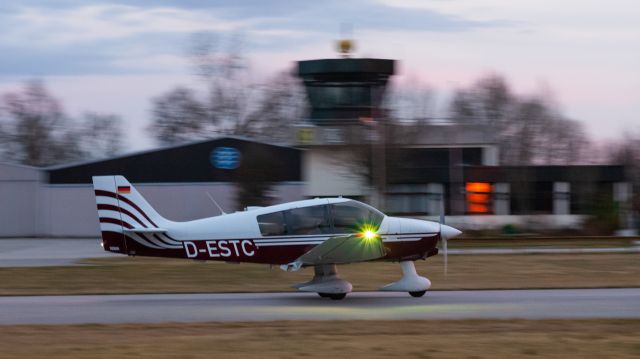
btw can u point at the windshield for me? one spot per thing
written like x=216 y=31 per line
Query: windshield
x=345 y=217
x=353 y=216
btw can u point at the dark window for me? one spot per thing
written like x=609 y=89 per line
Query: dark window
x=272 y=224
x=308 y=220
x=350 y=217
x=531 y=198
x=330 y=97
x=472 y=156
x=410 y=199
x=417 y=158
x=590 y=197
x=542 y=197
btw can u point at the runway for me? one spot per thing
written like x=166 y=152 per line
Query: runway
x=485 y=304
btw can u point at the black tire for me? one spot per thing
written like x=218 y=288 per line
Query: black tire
x=324 y=295
x=418 y=294
x=337 y=296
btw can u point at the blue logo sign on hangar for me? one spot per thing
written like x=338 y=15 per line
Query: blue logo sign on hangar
x=225 y=158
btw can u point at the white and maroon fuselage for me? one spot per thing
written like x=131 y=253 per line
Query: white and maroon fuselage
x=276 y=234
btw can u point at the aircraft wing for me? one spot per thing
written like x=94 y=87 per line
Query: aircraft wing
x=344 y=249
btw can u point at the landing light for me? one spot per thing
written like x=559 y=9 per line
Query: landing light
x=368 y=234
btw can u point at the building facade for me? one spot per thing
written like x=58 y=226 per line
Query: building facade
x=178 y=180
x=353 y=148
x=346 y=146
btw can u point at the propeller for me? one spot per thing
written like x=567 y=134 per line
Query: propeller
x=446 y=233
x=443 y=237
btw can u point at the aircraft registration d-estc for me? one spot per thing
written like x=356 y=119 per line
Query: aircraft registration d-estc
x=321 y=232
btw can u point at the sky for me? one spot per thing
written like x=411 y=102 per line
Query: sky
x=115 y=56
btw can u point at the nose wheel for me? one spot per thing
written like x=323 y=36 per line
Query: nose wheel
x=410 y=282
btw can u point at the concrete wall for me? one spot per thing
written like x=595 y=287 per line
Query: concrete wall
x=490 y=156
x=30 y=207
x=539 y=221
x=332 y=172
x=19 y=189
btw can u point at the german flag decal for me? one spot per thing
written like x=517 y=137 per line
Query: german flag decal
x=124 y=189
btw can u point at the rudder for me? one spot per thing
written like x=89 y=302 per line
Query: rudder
x=121 y=209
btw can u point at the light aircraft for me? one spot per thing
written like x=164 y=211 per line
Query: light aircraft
x=321 y=232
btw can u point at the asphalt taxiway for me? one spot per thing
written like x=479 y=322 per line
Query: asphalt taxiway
x=483 y=304
x=45 y=252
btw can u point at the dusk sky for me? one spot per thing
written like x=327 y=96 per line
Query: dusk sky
x=115 y=56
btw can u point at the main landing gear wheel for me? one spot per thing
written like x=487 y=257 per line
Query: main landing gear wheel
x=326 y=283
x=334 y=296
x=418 y=294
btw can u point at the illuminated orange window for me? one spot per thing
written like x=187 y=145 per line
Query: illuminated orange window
x=479 y=187
x=477 y=208
x=478 y=197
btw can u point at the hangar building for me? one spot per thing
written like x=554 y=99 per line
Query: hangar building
x=177 y=180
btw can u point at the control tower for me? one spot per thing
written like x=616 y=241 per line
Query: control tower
x=344 y=91
x=346 y=97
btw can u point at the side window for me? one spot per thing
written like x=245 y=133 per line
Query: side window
x=308 y=220
x=272 y=224
x=350 y=217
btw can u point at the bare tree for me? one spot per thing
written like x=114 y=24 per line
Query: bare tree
x=101 y=135
x=280 y=104
x=35 y=130
x=462 y=108
x=178 y=116
x=529 y=130
x=237 y=104
x=564 y=142
x=234 y=104
x=410 y=105
x=224 y=71
x=626 y=151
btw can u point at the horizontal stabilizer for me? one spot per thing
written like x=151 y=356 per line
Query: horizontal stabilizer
x=144 y=230
x=344 y=249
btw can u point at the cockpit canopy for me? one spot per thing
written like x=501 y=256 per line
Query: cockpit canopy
x=336 y=218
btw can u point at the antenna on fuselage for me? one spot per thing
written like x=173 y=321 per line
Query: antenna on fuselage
x=215 y=203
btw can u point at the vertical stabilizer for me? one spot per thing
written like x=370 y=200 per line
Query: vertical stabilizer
x=127 y=220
